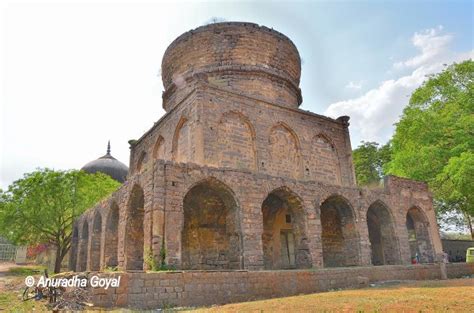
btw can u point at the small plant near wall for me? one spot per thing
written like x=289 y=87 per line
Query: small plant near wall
x=150 y=260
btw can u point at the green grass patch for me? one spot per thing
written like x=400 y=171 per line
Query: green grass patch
x=26 y=270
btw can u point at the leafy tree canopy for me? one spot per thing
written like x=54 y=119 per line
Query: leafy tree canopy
x=434 y=139
x=369 y=161
x=42 y=206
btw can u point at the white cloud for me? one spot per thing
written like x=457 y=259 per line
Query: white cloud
x=433 y=46
x=374 y=113
x=355 y=85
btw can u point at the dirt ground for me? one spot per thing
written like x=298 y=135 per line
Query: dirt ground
x=453 y=295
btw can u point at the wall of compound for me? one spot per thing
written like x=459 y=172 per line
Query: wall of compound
x=182 y=289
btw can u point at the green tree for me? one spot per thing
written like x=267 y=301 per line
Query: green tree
x=369 y=161
x=434 y=139
x=42 y=206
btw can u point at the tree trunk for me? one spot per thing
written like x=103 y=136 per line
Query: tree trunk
x=469 y=221
x=58 y=260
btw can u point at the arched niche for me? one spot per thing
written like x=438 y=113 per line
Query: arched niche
x=134 y=233
x=111 y=237
x=340 y=239
x=419 y=239
x=383 y=242
x=83 y=248
x=211 y=236
x=284 y=238
x=95 y=243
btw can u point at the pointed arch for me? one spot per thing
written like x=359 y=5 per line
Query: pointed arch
x=181 y=144
x=141 y=161
x=284 y=239
x=211 y=237
x=284 y=151
x=159 y=148
x=340 y=239
x=236 y=138
x=83 y=247
x=111 y=236
x=323 y=161
x=134 y=233
x=419 y=239
x=94 y=255
x=383 y=241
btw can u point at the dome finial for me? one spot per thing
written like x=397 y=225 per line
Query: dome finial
x=108 y=148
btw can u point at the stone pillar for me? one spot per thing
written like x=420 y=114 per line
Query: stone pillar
x=252 y=229
x=174 y=193
x=365 y=251
x=313 y=231
x=158 y=210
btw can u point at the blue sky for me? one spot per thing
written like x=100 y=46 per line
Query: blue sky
x=76 y=74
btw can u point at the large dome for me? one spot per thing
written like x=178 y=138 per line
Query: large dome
x=242 y=57
x=108 y=165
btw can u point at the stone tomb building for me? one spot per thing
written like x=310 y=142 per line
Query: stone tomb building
x=236 y=176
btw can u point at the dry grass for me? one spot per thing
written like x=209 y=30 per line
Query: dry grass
x=456 y=295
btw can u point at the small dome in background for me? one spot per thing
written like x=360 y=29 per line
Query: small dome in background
x=108 y=165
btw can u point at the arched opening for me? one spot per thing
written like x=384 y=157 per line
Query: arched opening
x=134 y=241
x=159 y=149
x=74 y=247
x=83 y=243
x=339 y=236
x=141 y=160
x=418 y=236
x=95 y=242
x=111 y=237
x=383 y=242
x=283 y=239
x=181 y=146
x=211 y=237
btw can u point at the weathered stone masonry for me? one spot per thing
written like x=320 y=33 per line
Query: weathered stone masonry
x=236 y=176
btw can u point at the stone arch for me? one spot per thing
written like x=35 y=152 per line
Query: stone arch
x=419 y=239
x=141 y=160
x=236 y=139
x=284 y=239
x=323 y=162
x=94 y=255
x=83 y=248
x=74 y=248
x=111 y=236
x=383 y=241
x=159 y=148
x=134 y=233
x=340 y=239
x=284 y=152
x=181 y=141
x=211 y=236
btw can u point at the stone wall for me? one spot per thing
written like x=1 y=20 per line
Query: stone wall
x=330 y=224
x=456 y=249
x=195 y=288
